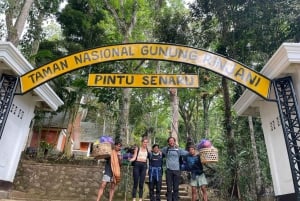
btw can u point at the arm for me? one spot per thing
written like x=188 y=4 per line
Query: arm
x=149 y=155
x=120 y=158
x=183 y=152
x=163 y=151
x=134 y=155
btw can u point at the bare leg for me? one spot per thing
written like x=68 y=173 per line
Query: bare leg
x=112 y=191
x=194 y=193
x=204 y=193
x=101 y=189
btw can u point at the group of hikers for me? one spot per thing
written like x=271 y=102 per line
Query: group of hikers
x=142 y=158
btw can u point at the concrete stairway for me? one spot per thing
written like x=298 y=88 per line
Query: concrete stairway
x=184 y=192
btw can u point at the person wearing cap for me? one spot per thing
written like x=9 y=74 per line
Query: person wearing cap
x=111 y=171
x=198 y=179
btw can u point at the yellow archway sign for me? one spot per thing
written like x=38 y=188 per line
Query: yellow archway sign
x=143 y=80
x=154 y=51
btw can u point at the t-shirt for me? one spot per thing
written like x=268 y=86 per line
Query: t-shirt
x=107 y=168
x=194 y=164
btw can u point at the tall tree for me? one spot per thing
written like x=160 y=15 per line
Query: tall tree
x=125 y=26
x=126 y=15
x=231 y=28
x=16 y=16
x=258 y=174
x=40 y=12
x=88 y=23
x=172 y=27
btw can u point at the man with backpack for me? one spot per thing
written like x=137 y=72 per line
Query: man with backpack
x=173 y=153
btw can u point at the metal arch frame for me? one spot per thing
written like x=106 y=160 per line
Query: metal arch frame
x=289 y=114
x=8 y=85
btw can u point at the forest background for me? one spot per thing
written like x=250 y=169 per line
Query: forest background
x=246 y=30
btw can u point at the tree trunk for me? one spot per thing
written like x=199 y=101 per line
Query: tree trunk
x=37 y=37
x=205 y=101
x=125 y=29
x=14 y=31
x=231 y=150
x=73 y=115
x=122 y=130
x=175 y=114
x=258 y=181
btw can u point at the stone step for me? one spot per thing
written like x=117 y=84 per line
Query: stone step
x=183 y=193
x=182 y=188
x=163 y=198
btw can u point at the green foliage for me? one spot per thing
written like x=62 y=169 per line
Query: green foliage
x=49 y=51
x=149 y=114
x=173 y=26
x=248 y=31
x=82 y=23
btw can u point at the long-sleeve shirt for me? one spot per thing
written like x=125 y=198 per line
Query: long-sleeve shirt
x=172 y=155
x=194 y=165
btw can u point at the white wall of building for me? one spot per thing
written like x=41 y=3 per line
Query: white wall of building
x=17 y=126
x=15 y=134
x=276 y=148
x=285 y=62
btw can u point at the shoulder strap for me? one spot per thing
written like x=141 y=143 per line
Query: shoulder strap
x=173 y=150
x=148 y=153
x=150 y=156
x=180 y=159
x=137 y=153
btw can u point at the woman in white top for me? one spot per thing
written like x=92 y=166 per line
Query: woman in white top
x=139 y=159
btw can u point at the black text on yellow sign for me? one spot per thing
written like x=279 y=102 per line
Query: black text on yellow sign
x=143 y=81
x=156 y=51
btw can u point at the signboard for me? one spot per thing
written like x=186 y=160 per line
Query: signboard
x=155 y=51
x=140 y=80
